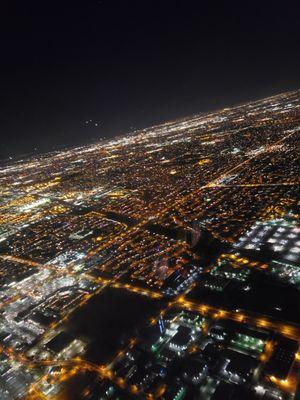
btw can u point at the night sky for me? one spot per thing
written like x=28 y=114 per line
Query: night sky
x=131 y=64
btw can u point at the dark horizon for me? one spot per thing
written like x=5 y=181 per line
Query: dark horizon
x=130 y=66
x=84 y=141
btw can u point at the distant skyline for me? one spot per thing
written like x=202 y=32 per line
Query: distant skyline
x=130 y=65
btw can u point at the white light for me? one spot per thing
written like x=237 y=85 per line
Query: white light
x=278 y=248
x=295 y=250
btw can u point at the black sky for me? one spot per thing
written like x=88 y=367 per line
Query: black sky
x=127 y=64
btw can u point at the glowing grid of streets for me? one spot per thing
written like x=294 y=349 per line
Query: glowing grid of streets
x=129 y=213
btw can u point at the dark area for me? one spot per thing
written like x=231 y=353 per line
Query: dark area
x=262 y=297
x=108 y=320
x=59 y=342
x=282 y=359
